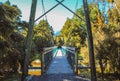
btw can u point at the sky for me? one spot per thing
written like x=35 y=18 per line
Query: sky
x=56 y=18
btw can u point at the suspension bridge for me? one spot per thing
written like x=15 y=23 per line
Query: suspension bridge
x=61 y=65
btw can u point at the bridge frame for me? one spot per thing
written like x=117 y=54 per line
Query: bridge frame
x=30 y=35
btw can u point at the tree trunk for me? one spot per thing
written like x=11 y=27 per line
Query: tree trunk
x=102 y=69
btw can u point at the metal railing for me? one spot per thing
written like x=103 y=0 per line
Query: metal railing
x=46 y=58
x=50 y=52
x=72 y=57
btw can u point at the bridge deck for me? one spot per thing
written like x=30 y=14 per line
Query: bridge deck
x=59 y=64
x=59 y=70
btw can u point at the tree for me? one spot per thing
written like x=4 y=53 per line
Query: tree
x=8 y=37
x=43 y=35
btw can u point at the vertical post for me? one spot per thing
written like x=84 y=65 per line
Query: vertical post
x=29 y=40
x=118 y=46
x=76 y=51
x=42 y=63
x=76 y=63
x=90 y=42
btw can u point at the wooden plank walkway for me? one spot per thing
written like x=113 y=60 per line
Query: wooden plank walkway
x=59 y=70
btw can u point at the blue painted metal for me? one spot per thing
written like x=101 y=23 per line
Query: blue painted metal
x=64 y=51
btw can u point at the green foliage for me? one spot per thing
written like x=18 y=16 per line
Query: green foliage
x=65 y=28
x=60 y=42
x=10 y=41
x=107 y=45
x=105 y=30
x=13 y=34
x=80 y=57
x=74 y=31
x=43 y=35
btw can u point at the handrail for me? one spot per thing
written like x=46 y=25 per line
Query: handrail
x=72 y=57
x=71 y=48
x=71 y=51
x=47 y=51
x=46 y=58
x=48 y=48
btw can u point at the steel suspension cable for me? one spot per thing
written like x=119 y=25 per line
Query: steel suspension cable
x=43 y=8
x=70 y=10
x=76 y=6
x=49 y=10
x=70 y=29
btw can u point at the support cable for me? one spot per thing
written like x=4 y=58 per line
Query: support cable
x=43 y=8
x=49 y=10
x=76 y=6
x=70 y=10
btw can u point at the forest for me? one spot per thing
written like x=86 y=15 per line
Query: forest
x=105 y=25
